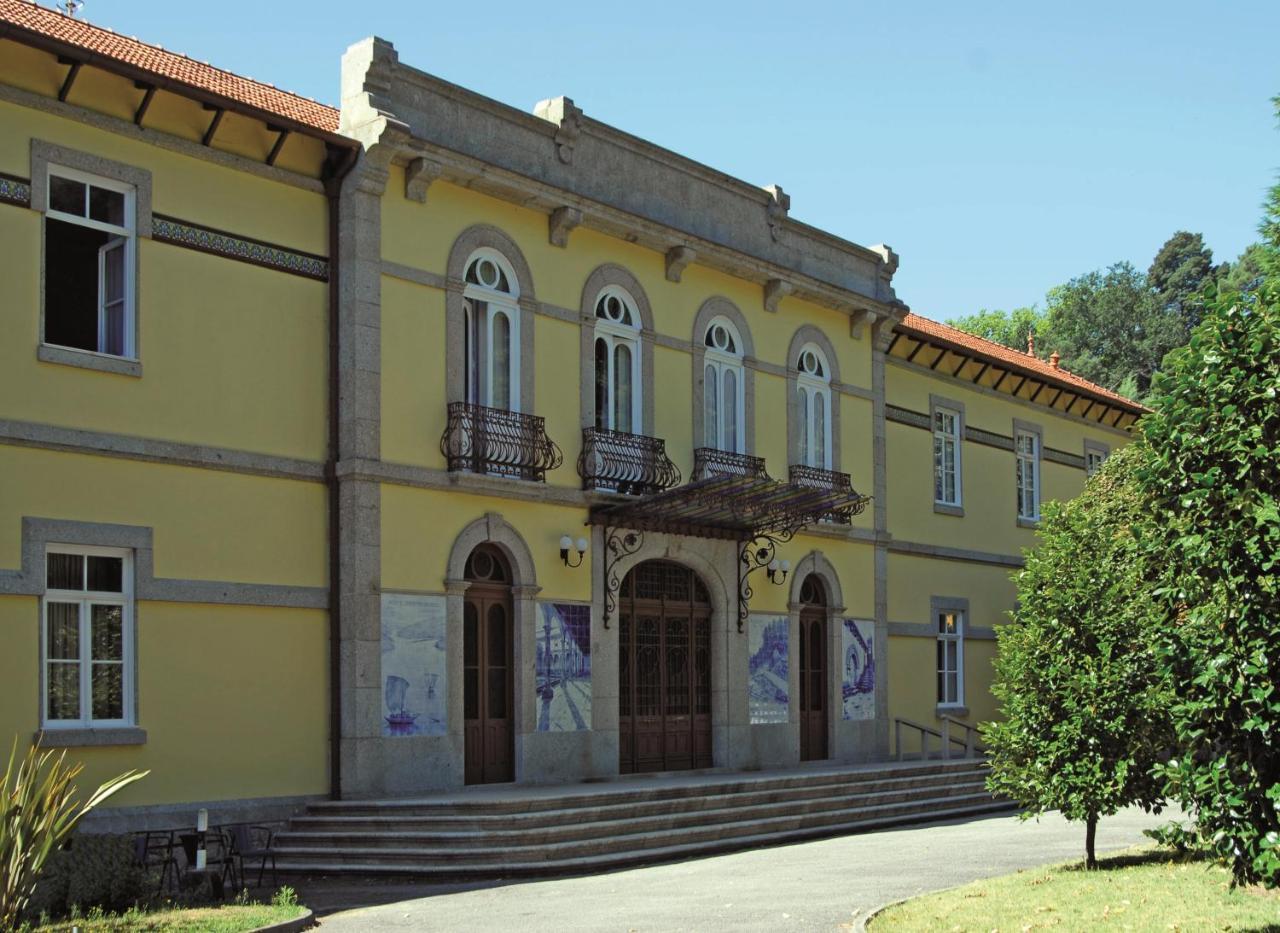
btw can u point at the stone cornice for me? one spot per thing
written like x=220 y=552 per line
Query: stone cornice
x=668 y=201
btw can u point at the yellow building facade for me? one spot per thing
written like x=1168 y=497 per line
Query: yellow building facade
x=428 y=442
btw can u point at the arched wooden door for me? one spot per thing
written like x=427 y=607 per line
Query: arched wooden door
x=664 y=669
x=813 y=670
x=487 y=630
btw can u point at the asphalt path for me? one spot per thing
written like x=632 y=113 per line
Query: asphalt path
x=824 y=885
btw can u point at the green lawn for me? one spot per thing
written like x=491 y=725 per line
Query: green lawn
x=1142 y=889
x=229 y=918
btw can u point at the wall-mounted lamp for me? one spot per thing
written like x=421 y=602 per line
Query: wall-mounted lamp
x=778 y=570
x=567 y=544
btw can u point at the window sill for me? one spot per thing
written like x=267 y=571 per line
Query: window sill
x=1028 y=522
x=955 y=712
x=943 y=509
x=78 y=738
x=85 y=359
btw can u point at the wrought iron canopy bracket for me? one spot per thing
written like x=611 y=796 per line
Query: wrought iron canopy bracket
x=757 y=554
x=618 y=543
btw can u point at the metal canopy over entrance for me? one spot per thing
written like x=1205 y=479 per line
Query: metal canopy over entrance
x=731 y=498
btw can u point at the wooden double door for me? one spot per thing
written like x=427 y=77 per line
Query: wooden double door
x=487 y=675
x=813 y=684
x=664 y=669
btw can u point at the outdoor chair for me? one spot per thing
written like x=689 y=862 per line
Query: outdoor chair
x=153 y=849
x=253 y=843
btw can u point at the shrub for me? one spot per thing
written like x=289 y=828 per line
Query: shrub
x=1214 y=485
x=92 y=871
x=1082 y=697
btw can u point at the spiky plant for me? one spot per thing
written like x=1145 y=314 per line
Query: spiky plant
x=38 y=812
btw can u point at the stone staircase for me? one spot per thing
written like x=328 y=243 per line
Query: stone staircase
x=508 y=831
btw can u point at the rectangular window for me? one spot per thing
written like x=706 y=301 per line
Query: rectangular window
x=1094 y=457
x=946 y=457
x=1027 y=454
x=89 y=244
x=87 y=638
x=950 y=657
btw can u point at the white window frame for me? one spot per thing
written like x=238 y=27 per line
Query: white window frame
x=1095 y=455
x=721 y=362
x=479 y=390
x=85 y=599
x=814 y=390
x=1027 y=452
x=128 y=231
x=615 y=333
x=944 y=639
x=942 y=437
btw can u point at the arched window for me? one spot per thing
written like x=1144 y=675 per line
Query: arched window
x=617 y=362
x=492 y=335
x=813 y=386
x=723 y=406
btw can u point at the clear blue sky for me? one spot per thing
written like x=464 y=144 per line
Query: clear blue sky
x=1000 y=147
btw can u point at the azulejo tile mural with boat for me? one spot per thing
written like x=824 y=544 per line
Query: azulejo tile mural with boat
x=413 y=665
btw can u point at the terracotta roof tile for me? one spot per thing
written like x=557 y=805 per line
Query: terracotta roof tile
x=1023 y=362
x=169 y=65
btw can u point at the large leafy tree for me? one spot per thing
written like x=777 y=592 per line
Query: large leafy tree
x=1213 y=481
x=1177 y=275
x=1007 y=328
x=1082 y=699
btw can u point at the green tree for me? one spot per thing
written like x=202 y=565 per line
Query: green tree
x=1178 y=273
x=1245 y=274
x=1270 y=225
x=1213 y=481
x=1007 y=328
x=1082 y=699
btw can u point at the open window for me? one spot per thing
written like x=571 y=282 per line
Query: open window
x=89 y=249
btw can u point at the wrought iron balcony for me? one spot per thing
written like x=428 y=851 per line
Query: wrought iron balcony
x=817 y=478
x=479 y=439
x=626 y=463
x=708 y=461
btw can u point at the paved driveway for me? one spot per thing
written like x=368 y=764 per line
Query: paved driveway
x=821 y=885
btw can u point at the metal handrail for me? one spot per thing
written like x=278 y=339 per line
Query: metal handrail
x=944 y=737
x=710 y=461
x=818 y=478
x=480 y=439
x=627 y=463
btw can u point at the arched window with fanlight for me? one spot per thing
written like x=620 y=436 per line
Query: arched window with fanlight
x=618 y=390
x=813 y=388
x=492 y=333
x=723 y=404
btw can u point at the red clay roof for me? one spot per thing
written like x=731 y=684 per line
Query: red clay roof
x=1023 y=362
x=164 y=64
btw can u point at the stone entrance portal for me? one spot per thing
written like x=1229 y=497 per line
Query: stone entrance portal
x=664 y=669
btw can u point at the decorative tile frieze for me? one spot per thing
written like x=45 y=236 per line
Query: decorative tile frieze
x=979 y=436
x=1064 y=458
x=219 y=243
x=14 y=190
x=916 y=419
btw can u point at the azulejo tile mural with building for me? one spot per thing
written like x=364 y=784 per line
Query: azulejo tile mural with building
x=476 y=443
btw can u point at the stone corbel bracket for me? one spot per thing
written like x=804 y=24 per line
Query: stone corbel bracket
x=561 y=111
x=776 y=210
x=884 y=278
x=678 y=257
x=418 y=176
x=859 y=318
x=774 y=291
x=561 y=223
x=882 y=334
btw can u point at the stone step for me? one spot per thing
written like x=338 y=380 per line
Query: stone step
x=607 y=844
x=350 y=862
x=332 y=819
x=621 y=820
x=486 y=802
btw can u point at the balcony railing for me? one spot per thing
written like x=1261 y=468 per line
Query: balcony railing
x=627 y=463
x=708 y=461
x=817 y=478
x=486 y=440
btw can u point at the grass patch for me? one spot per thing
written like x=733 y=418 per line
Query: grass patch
x=1140 y=889
x=226 y=918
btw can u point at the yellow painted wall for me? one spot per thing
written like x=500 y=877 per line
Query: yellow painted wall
x=233 y=355
x=209 y=525
x=233 y=700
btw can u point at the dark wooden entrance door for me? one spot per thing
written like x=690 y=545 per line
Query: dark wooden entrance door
x=489 y=735
x=664 y=669
x=813 y=671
